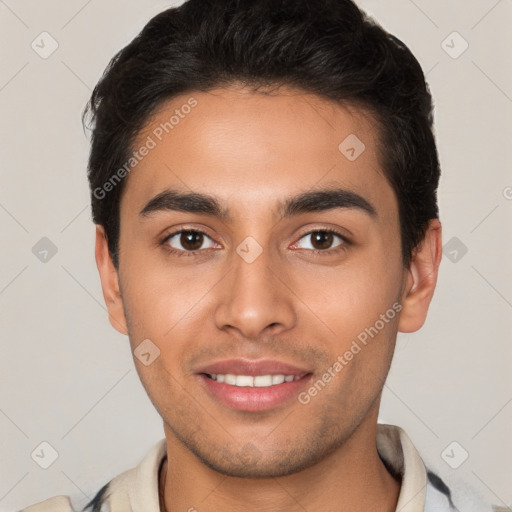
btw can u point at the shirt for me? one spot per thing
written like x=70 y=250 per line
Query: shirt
x=421 y=490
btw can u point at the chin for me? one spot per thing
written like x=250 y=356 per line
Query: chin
x=250 y=462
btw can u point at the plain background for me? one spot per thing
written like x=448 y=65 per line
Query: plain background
x=67 y=378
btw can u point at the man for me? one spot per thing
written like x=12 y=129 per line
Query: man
x=263 y=179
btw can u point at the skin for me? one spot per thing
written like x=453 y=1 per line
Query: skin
x=251 y=151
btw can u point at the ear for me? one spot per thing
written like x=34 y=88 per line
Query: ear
x=109 y=282
x=421 y=279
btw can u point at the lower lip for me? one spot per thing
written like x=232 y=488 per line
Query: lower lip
x=251 y=398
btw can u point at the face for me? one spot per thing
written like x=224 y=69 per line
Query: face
x=255 y=246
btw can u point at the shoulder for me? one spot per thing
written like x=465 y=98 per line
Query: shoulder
x=63 y=503
x=424 y=487
x=55 y=504
x=134 y=489
x=452 y=494
x=116 y=489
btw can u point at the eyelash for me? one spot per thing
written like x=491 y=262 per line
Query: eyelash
x=316 y=252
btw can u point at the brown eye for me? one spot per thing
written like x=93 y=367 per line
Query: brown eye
x=189 y=240
x=322 y=240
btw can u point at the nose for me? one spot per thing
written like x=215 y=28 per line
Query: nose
x=255 y=298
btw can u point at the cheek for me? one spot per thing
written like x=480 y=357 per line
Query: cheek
x=161 y=298
x=351 y=297
x=361 y=311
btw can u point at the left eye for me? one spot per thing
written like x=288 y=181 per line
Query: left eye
x=322 y=240
x=189 y=240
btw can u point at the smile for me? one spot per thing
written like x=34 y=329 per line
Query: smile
x=257 y=381
x=254 y=393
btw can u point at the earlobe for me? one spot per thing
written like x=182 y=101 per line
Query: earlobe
x=109 y=282
x=421 y=279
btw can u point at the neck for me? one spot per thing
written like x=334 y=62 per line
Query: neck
x=351 y=478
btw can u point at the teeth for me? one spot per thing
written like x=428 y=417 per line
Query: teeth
x=278 y=379
x=262 y=381
x=259 y=381
x=244 y=380
x=230 y=379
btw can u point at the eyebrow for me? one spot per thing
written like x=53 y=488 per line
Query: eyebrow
x=311 y=201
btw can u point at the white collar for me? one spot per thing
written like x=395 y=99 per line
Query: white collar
x=402 y=458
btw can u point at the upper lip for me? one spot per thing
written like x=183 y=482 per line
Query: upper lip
x=252 y=368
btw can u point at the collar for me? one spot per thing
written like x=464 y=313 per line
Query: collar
x=402 y=459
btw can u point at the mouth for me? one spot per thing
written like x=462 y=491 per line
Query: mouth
x=258 y=381
x=253 y=386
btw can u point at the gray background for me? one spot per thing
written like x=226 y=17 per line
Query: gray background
x=68 y=379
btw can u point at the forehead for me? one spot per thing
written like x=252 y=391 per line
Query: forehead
x=247 y=148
